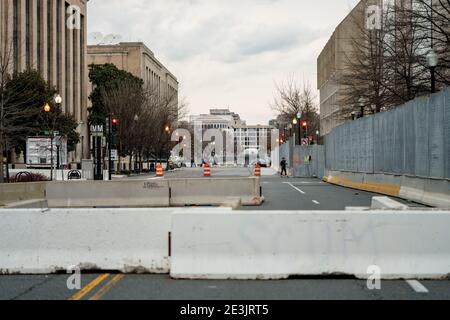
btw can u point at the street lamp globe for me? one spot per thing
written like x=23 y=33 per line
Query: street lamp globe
x=58 y=99
x=432 y=59
x=136 y=118
x=299 y=115
x=47 y=108
x=295 y=121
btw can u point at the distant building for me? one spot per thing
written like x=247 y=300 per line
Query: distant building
x=246 y=137
x=330 y=66
x=252 y=137
x=38 y=36
x=139 y=60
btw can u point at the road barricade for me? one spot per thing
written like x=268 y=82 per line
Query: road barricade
x=213 y=191
x=277 y=245
x=84 y=194
x=207 y=170
x=257 y=170
x=159 y=171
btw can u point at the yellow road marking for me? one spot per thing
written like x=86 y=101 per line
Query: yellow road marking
x=88 y=288
x=100 y=293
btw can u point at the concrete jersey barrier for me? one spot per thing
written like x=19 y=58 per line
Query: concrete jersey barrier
x=140 y=193
x=42 y=242
x=276 y=245
x=15 y=192
x=213 y=191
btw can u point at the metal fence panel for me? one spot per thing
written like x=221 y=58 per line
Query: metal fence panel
x=421 y=125
x=413 y=139
x=410 y=139
x=447 y=133
x=436 y=136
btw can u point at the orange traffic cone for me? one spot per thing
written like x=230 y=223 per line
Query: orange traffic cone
x=159 y=170
x=257 y=170
x=207 y=170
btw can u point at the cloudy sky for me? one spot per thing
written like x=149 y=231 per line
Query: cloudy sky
x=227 y=53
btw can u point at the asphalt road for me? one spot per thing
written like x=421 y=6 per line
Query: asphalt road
x=161 y=287
x=280 y=194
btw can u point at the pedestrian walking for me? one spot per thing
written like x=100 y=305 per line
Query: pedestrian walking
x=283 y=165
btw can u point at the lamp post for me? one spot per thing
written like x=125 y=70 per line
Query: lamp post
x=136 y=120
x=48 y=110
x=432 y=61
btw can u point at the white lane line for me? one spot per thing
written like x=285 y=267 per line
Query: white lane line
x=301 y=191
x=316 y=202
x=417 y=286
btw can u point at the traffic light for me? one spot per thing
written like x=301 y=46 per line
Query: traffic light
x=304 y=124
x=114 y=125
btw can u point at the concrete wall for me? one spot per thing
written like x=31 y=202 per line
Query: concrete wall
x=276 y=245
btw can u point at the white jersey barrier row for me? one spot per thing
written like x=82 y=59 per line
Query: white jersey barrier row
x=135 y=193
x=276 y=245
x=34 y=241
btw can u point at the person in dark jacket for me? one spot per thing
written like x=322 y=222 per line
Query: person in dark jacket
x=283 y=165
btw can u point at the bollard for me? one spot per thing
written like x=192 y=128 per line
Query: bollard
x=159 y=171
x=207 y=170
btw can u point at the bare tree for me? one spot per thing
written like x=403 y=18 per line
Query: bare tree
x=144 y=115
x=434 y=18
x=363 y=74
x=292 y=98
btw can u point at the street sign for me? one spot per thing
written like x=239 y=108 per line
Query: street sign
x=114 y=155
x=97 y=130
x=39 y=151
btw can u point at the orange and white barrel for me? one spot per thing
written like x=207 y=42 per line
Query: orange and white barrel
x=257 y=170
x=207 y=170
x=159 y=170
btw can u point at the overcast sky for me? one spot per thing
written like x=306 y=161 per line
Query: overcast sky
x=227 y=53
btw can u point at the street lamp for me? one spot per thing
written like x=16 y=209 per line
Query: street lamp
x=432 y=61
x=58 y=99
x=47 y=109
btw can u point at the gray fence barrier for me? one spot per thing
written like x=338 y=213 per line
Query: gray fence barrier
x=413 y=139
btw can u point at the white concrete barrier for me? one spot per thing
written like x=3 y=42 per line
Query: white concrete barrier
x=213 y=191
x=34 y=241
x=40 y=242
x=276 y=245
x=138 y=193
x=386 y=203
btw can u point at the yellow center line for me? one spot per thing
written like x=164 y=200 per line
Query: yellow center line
x=88 y=288
x=100 y=293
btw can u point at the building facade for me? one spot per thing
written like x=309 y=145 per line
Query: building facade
x=139 y=60
x=331 y=64
x=51 y=36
